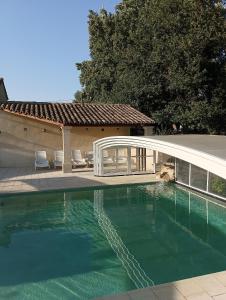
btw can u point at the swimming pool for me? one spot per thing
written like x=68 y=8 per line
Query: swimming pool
x=86 y=243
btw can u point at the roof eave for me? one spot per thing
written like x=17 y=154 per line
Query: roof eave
x=33 y=118
x=77 y=125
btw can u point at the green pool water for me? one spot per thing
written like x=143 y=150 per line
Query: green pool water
x=89 y=243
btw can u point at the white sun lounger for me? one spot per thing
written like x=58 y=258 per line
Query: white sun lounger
x=58 y=158
x=41 y=160
x=77 y=160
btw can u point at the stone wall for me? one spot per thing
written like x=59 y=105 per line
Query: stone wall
x=167 y=172
x=165 y=168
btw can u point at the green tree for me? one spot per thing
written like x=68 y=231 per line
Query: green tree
x=164 y=57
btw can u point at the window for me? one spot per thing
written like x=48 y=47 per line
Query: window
x=115 y=160
x=198 y=178
x=182 y=171
x=217 y=185
x=127 y=160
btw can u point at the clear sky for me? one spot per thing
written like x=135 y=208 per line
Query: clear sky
x=41 y=40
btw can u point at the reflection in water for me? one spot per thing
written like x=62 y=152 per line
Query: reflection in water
x=131 y=265
x=202 y=218
x=53 y=245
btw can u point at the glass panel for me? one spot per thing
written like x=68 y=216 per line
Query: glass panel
x=121 y=160
x=134 y=164
x=141 y=160
x=109 y=160
x=133 y=151
x=149 y=152
x=217 y=185
x=198 y=178
x=135 y=160
x=182 y=171
x=149 y=160
x=115 y=160
x=149 y=163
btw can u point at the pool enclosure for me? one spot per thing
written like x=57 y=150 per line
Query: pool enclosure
x=120 y=160
x=199 y=179
x=122 y=156
x=199 y=160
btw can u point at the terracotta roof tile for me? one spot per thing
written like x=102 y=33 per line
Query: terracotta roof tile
x=77 y=114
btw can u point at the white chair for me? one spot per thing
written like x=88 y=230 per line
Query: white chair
x=77 y=160
x=89 y=158
x=41 y=160
x=58 y=158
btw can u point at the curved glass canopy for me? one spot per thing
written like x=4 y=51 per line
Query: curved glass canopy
x=200 y=160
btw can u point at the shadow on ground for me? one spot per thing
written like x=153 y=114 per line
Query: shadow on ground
x=26 y=180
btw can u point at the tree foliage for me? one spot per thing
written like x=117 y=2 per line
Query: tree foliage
x=165 y=57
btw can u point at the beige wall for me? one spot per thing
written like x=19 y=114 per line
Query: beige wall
x=21 y=137
x=83 y=137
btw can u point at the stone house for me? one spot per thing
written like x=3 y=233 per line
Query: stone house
x=26 y=127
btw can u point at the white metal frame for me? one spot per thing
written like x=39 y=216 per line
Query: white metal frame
x=198 y=158
x=201 y=159
x=128 y=162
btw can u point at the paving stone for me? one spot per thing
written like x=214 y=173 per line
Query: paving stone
x=201 y=296
x=142 y=294
x=168 y=292
x=219 y=297
x=221 y=276
x=25 y=179
x=211 y=285
x=188 y=287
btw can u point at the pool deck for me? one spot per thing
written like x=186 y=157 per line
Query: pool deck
x=207 y=287
x=17 y=180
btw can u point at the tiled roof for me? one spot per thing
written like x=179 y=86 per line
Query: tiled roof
x=77 y=114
